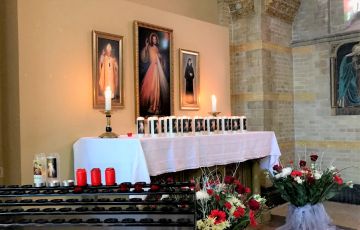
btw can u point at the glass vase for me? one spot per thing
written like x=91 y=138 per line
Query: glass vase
x=308 y=217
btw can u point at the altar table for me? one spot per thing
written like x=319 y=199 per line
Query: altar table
x=136 y=159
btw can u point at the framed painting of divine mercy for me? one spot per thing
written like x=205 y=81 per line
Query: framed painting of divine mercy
x=107 y=69
x=153 y=70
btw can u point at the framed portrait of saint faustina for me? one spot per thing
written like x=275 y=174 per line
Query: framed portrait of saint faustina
x=189 y=79
x=153 y=70
x=107 y=69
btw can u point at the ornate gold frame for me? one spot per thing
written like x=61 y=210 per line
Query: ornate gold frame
x=196 y=105
x=95 y=36
x=138 y=24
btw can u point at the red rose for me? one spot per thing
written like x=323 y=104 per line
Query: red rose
x=229 y=179
x=254 y=205
x=252 y=218
x=338 y=180
x=302 y=163
x=247 y=190
x=217 y=197
x=314 y=157
x=240 y=189
x=277 y=168
x=237 y=182
x=227 y=205
x=296 y=173
x=218 y=215
x=210 y=192
x=310 y=180
x=239 y=212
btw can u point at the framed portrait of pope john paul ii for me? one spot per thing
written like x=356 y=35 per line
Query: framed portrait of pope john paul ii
x=107 y=69
x=153 y=70
x=189 y=79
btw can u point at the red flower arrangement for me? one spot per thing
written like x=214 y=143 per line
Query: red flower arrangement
x=218 y=215
x=314 y=185
x=227 y=205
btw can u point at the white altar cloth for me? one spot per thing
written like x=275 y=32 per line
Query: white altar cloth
x=136 y=159
x=125 y=155
x=166 y=154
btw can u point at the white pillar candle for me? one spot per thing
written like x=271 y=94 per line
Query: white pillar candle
x=185 y=125
x=197 y=125
x=162 y=124
x=179 y=125
x=206 y=125
x=222 y=124
x=235 y=125
x=227 y=124
x=213 y=103
x=171 y=126
x=190 y=125
x=243 y=123
x=153 y=123
x=107 y=98
x=140 y=125
x=212 y=125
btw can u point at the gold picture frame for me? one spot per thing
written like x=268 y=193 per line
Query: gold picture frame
x=189 y=79
x=107 y=51
x=153 y=54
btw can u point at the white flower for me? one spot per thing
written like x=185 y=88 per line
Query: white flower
x=298 y=180
x=259 y=199
x=202 y=195
x=332 y=168
x=284 y=173
x=350 y=184
x=235 y=202
x=317 y=175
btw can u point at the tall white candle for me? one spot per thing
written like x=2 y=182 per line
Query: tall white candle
x=213 y=103
x=107 y=99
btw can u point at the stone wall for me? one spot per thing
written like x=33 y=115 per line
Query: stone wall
x=261 y=72
x=316 y=129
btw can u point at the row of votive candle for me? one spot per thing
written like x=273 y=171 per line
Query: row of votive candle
x=172 y=125
x=81 y=177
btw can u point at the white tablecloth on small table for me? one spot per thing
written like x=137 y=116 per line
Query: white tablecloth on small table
x=166 y=154
x=124 y=154
x=137 y=159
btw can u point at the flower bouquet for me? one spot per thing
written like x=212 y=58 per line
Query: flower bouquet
x=305 y=188
x=227 y=205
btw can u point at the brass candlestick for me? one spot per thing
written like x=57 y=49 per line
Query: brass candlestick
x=214 y=113
x=108 y=129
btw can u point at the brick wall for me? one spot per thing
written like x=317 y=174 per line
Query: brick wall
x=316 y=129
x=285 y=87
x=261 y=72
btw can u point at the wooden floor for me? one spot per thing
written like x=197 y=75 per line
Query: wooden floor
x=345 y=216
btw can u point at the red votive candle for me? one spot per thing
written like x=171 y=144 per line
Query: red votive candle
x=81 y=178
x=95 y=177
x=110 y=176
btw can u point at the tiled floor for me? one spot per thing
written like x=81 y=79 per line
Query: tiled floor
x=346 y=216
